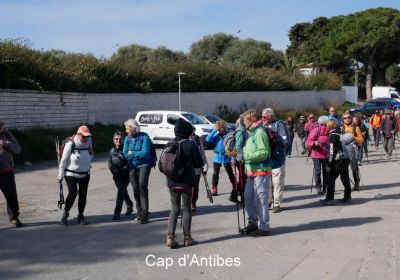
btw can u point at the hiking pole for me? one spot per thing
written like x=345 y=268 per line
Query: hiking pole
x=209 y=194
x=235 y=192
x=61 y=201
x=242 y=186
x=312 y=179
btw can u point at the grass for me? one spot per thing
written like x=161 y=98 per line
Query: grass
x=38 y=144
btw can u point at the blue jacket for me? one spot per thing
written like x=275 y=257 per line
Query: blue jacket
x=219 y=151
x=139 y=144
x=336 y=117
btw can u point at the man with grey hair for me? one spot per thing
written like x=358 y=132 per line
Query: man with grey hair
x=278 y=160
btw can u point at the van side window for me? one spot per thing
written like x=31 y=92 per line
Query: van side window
x=151 y=118
x=171 y=119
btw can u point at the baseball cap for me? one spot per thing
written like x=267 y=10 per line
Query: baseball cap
x=84 y=130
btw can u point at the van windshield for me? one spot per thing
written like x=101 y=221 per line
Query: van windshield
x=194 y=119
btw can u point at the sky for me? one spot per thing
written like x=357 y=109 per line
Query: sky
x=100 y=27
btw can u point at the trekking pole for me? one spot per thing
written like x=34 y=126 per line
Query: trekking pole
x=209 y=194
x=61 y=198
x=312 y=179
x=242 y=186
x=235 y=191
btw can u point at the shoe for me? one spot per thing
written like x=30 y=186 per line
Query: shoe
x=248 y=229
x=233 y=197
x=345 y=200
x=356 y=188
x=360 y=163
x=189 y=241
x=16 y=222
x=259 y=232
x=82 y=220
x=193 y=207
x=270 y=205
x=171 y=241
x=319 y=190
x=129 y=211
x=276 y=209
x=214 y=191
x=64 y=219
x=143 y=219
x=326 y=201
x=116 y=217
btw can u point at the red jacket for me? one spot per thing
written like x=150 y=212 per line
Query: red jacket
x=320 y=134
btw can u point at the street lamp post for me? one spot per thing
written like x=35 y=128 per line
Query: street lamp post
x=179 y=85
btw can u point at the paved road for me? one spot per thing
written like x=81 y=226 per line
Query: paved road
x=309 y=241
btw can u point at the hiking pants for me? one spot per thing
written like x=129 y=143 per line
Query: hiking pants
x=276 y=188
x=377 y=136
x=388 y=145
x=344 y=177
x=72 y=184
x=184 y=195
x=195 y=195
x=256 y=200
x=9 y=189
x=139 y=178
x=355 y=171
x=229 y=170
x=320 y=167
x=121 y=182
x=290 y=145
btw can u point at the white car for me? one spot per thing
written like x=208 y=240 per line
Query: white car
x=159 y=125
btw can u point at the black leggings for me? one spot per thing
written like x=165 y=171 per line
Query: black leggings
x=122 y=182
x=7 y=186
x=229 y=170
x=343 y=171
x=72 y=183
x=176 y=196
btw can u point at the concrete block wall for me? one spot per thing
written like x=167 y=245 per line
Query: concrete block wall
x=26 y=109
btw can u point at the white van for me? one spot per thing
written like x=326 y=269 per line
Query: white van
x=159 y=125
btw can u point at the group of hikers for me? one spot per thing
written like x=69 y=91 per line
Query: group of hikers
x=257 y=149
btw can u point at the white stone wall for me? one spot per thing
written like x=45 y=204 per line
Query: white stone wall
x=26 y=109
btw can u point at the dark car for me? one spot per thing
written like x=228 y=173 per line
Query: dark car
x=370 y=107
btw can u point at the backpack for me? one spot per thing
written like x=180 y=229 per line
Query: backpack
x=345 y=146
x=117 y=159
x=73 y=148
x=230 y=142
x=274 y=142
x=170 y=163
x=153 y=153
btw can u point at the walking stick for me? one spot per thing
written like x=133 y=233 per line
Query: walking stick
x=242 y=186
x=61 y=199
x=209 y=194
x=312 y=179
x=237 y=204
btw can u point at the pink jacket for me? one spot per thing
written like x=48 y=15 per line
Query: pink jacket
x=322 y=136
x=309 y=126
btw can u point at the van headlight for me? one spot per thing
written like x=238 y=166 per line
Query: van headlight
x=206 y=130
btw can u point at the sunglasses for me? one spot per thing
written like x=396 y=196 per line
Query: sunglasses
x=117 y=139
x=346 y=118
x=85 y=137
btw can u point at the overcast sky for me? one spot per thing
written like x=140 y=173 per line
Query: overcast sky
x=100 y=26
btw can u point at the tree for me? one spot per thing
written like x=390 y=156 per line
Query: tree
x=211 y=48
x=371 y=37
x=162 y=54
x=135 y=54
x=253 y=53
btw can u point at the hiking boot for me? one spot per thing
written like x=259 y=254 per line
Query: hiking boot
x=116 y=217
x=64 y=218
x=345 y=200
x=129 y=211
x=214 y=191
x=319 y=190
x=326 y=201
x=16 y=222
x=277 y=209
x=233 y=197
x=193 y=207
x=143 y=219
x=82 y=220
x=189 y=241
x=171 y=241
x=248 y=229
x=259 y=232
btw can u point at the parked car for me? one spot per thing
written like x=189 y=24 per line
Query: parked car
x=370 y=107
x=159 y=125
x=212 y=119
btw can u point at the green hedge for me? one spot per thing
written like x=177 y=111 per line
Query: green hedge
x=24 y=68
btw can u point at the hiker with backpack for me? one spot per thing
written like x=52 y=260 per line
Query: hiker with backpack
x=278 y=158
x=388 y=130
x=139 y=151
x=338 y=164
x=9 y=147
x=178 y=162
x=256 y=154
x=240 y=140
x=220 y=158
x=363 y=123
x=318 y=142
x=75 y=163
x=375 y=124
x=301 y=134
x=198 y=171
x=291 y=127
x=118 y=166
x=350 y=127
